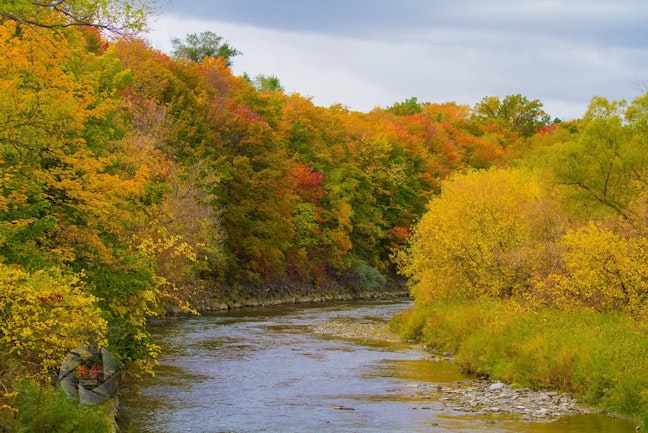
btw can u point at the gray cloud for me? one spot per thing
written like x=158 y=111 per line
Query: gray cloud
x=604 y=21
x=368 y=53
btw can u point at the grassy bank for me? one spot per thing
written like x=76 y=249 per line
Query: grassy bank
x=600 y=358
x=44 y=408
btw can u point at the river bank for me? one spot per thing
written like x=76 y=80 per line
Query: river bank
x=254 y=295
x=472 y=395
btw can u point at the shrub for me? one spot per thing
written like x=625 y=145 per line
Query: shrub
x=369 y=278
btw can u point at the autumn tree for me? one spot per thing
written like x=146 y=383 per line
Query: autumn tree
x=70 y=200
x=44 y=315
x=71 y=273
x=603 y=270
x=603 y=168
x=488 y=234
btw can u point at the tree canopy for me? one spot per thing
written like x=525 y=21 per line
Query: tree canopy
x=119 y=16
x=516 y=111
x=197 y=46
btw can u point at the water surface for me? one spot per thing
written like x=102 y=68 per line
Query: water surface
x=262 y=370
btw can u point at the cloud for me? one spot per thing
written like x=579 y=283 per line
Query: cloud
x=369 y=53
x=606 y=21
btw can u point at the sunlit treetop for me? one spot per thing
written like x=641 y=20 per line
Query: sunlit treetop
x=114 y=16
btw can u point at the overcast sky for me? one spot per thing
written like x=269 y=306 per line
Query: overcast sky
x=373 y=53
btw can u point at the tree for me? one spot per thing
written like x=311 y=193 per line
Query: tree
x=196 y=47
x=515 y=111
x=268 y=83
x=604 y=167
x=44 y=314
x=119 y=16
x=602 y=270
x=42 y=102
x=488 y=234
x=407 y=108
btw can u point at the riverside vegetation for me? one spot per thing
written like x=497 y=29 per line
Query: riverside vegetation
x=133 y=183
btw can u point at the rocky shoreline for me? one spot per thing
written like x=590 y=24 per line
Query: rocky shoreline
x=483 y=397
x=220 y=298
x=472 y=395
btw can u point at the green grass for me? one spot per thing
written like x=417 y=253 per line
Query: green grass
x=43 y=408
x=601 y=358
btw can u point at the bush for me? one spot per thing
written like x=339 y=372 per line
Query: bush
x=368 y=277
x=489 y=234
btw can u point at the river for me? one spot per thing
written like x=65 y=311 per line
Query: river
x=264 y=370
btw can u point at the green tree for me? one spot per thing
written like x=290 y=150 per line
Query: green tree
x=268 y=83
x=515 y=111
x=406 y=108
x=196 y=47
x=604 y=168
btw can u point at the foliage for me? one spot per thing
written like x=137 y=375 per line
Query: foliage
x=268 y=83
x=45 y=314
x=132 y=182
x=406 y=108
x=487 y=235
x=69 y=201
x=602 y=270
x=524 y=116
x=120 y=16
x=603 y=168
x=555 y=260
x=369 y=277
x=196 y=47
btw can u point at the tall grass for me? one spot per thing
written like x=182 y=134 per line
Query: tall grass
x=43 y=408
x=600 y=358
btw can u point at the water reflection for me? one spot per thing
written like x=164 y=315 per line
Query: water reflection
x=419 y=370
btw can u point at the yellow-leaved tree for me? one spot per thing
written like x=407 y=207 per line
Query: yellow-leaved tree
x=488 y=234
x=45 y=314
x=603 y=270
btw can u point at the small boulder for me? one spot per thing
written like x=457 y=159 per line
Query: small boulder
x=496 y=386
